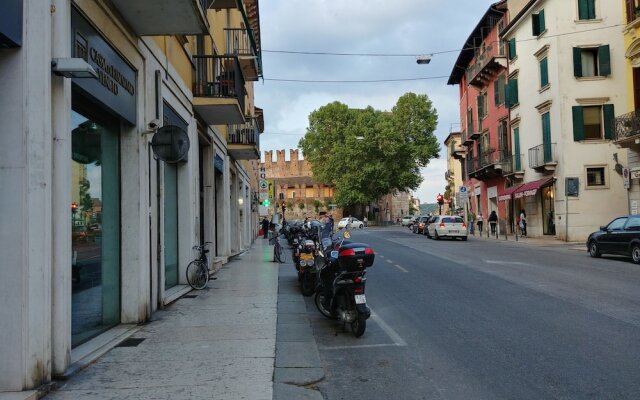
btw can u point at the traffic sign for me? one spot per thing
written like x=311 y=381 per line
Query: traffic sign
x=463 y=189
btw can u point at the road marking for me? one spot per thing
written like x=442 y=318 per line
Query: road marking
x=357 y=346
x=381 y=256
x=505 y=262
x=400 y=268
x=393 y=335
x=390 y=262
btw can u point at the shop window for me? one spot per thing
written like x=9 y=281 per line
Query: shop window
x=596 y=177
x=591 y=61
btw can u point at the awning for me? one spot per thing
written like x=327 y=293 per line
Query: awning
x=531 y=188
x=505 y=195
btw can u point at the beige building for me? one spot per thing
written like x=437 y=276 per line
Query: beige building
x=453 y=175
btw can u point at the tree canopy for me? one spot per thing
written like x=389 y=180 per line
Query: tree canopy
x=367 y=153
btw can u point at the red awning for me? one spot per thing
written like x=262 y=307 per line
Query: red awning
x=505 y=195
x=531 y=188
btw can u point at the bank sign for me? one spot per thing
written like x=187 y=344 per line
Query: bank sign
x=115 y=87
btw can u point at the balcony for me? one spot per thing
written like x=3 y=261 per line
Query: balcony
x=487 y=65
x=243 y=141
x=165 y=17
x=516 y=171
x=459 y=152
x=490 y=164
x=218 y=90
x=224 y=4
x=241 y=44
x=543 y=157
x=627 y=130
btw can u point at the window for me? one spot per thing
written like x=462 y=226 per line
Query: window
x=546 y=137
x=516 y=149
x=512 y=48
x=596 y=177
x=617 y=223
x=499 y=90
x=469 y=121
x=586 y=9
x=538 y=25
x=503 y=136
x=544 y=72
x=511 y=96
x=633 y=224
x=593 y=122
x=591 y=61
x=633 y=10
x=482 y=106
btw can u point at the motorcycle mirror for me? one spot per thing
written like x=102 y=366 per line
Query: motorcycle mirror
x=346 y=235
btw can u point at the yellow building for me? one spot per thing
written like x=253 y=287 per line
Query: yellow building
x=455 y=153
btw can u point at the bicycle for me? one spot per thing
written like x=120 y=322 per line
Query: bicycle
x=198 y=269
x=277 y=247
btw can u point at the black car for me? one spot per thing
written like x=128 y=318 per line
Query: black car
x=621 y=236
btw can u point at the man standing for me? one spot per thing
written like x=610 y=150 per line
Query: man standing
x=265 y=227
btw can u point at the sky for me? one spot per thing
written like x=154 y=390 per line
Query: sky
x=400 y=27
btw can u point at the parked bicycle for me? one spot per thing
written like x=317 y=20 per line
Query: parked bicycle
x=274 y=239
x=198 y=269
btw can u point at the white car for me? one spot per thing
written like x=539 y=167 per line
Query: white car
x=447 y=226
x=407 y=220
x=352 y=222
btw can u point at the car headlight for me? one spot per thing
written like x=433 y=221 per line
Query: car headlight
x=303 y=263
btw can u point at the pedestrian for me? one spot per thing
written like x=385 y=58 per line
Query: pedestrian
x=265 y=227
x=479 y=222
x=523 y=223
x=472 y=223
x=366 y=221
x=493 y=221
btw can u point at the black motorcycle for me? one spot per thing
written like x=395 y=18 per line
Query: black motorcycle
x=306 y=267
x=341 y=290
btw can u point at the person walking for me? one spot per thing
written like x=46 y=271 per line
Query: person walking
x=366 y=221
x=265 y=228
x=523 y=223
x=493 y=222
x=479 y=222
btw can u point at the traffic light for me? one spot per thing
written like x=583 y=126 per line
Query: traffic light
x=284 y=206
x=266 y=203
x=440 y=199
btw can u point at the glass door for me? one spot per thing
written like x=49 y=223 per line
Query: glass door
x=548 y=215
x=170 y=225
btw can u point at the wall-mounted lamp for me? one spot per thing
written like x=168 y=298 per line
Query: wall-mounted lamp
x=240 y=201
x=73 y=68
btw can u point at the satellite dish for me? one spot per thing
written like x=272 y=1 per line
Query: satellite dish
x=170 y=144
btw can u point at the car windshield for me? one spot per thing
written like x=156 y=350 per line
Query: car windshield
x=617 y=223
x=452 y=220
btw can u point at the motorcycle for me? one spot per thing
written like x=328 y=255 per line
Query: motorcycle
x=307 y=267
x=341 y=290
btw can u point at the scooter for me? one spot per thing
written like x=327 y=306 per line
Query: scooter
x=341 y=290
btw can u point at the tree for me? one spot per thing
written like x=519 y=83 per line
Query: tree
x=368 y=153
x=316 y=205
x=301 y=206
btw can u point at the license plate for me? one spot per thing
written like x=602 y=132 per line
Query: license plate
x=360 y=299
x=453 y=231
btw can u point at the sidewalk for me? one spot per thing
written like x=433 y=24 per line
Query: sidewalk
x=217 y=343
x=547 y=241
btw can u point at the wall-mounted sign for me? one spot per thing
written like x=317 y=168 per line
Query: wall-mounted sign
x=11 y=23
x=626 y=179
x=115 y=87
x=572 y=187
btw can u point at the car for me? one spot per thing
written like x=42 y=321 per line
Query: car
x=419 y=224
x=425 y=230
x=352 y=222
x=620 y=236
x=447 y=226
x=407 y=220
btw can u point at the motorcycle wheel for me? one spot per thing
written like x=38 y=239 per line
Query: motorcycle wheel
x=307 y=286
x=359 y=325
x=318 y=300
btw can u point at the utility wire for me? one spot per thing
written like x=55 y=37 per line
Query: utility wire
x=355 y=81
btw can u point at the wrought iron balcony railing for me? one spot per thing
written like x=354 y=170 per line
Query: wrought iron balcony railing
x=246 y=133
x=627 y=126
x=489 y=55
x=499 y=159
x=542 y=155
x=239 y=42
x=219 y=76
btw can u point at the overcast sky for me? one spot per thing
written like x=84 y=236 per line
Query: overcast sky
x=360 y=26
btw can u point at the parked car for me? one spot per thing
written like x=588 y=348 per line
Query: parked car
x=352 y=222
x=621 y=236
x=448 y=226
x=420 y=223
x=425 y=231
x=407 y=220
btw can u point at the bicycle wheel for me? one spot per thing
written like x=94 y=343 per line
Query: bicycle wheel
x=197 y=274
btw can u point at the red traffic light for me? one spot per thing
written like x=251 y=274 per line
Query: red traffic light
x=440 y=199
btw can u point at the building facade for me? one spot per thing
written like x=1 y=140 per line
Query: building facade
x=128 y=141
x=566 y=79
x=453 y=175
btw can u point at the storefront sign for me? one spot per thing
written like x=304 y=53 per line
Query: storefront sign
x=635 y=174
x=115 y=87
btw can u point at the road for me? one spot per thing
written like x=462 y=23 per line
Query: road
x=486 y=319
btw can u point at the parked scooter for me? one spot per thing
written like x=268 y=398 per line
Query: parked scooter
x=341 y=289
x=307 y=267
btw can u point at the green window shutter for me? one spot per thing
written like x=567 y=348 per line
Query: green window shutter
x=586 y=9
x=544 y=73
x=577 y=62
x=480 y=108
x=535 y=24
x=507 y=94
x=516 y=148
x=591 y=4
x=496 y=92
x=609 y=121
x=604 y=61
x=541 y=21
x=514 y=92
x=546 y=137
x=512 y=48
x=578 y=123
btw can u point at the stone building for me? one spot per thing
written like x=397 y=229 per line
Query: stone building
x=294 y=185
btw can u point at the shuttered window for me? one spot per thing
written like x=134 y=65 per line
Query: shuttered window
x=591 y=61
x=512 y=93
x=512 y=48
x=593 y=122
x=537 y=23
x=516 y=149
x=544 y=72
x=586 y=9
x=499 y=90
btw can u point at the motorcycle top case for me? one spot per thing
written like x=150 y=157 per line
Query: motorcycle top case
x=355 y=257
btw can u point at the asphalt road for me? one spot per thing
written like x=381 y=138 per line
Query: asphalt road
x=485 y=319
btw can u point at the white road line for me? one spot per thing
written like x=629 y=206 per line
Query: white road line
x=400 y=268
x=505 y=262
x=380 y=255
x=390 y=262
x=397 y=340
x=357 y=346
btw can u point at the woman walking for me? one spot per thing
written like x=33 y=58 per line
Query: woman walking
x=523 y=223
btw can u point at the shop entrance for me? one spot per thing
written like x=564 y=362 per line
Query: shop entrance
x=548 y=214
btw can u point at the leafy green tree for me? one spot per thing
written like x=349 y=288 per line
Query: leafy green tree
x=301 y=206
x=368 y=153
x=316 y=205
